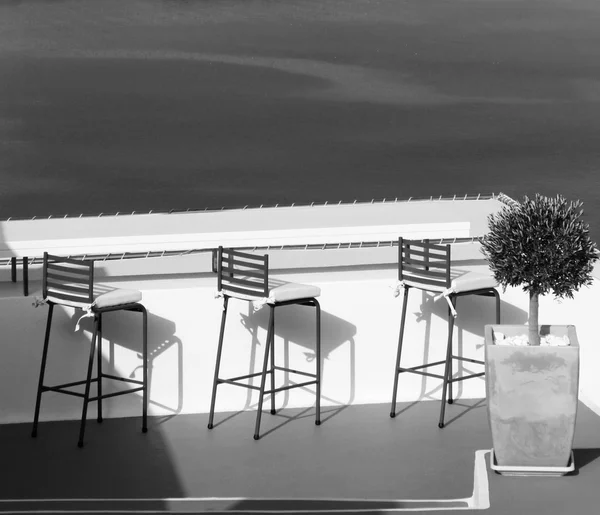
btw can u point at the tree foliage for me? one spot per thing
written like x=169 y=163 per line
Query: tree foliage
x=541 y=244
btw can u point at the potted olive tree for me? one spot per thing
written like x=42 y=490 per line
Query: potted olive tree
x=532 y=372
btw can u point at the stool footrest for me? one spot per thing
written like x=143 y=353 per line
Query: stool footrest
x=247 y=376
x=417 y=367
x=307 y=374
x=415 y=371
x=60 y=388
x=124 y=379
x=280 y=389
x=470 y=360
x=470 y=376
x=115 y=394
x=289 y=387
x=67 y=385
x=235 y=383
x=234 y=380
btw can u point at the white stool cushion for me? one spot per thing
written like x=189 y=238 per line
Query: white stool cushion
x=462 y=282
x=116 y=298
x=473 y=281
x=279 y=291
x=283 y=291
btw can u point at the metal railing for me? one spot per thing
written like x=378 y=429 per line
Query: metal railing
x=383 y=200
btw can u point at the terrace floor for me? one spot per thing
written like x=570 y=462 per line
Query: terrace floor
x=358 y=460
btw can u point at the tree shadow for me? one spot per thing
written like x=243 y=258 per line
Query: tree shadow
x=583 y=457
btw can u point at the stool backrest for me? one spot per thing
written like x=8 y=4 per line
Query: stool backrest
x=423 y=264
x=241 y=274
x=68 y=281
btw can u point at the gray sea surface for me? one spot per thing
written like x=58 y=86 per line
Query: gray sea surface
x=112 y=106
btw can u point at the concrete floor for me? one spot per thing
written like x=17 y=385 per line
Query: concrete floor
x=358 y=460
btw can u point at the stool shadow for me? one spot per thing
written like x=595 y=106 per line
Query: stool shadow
x=474 y=404
x=474 y=312
x=295 y=324
x=124 y=329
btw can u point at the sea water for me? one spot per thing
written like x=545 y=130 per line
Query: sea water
x=156 y=105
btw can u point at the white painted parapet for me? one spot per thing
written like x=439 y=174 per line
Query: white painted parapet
x=256 y=227
x=360 y=318
x=360 y=323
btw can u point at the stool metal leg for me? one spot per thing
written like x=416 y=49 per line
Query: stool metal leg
x=25 y=277
x=318 y=360
x=447 y=378
x=400 y=339
x=38 y=400
x=273 y=411
x=99 y=365
x=270 y=337
x=86 y=394
x=450 y=399
x=144 y=370
x=218 y=364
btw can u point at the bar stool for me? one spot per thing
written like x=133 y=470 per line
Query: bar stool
x=70 y=282
x=245 y=276
x=427 y=266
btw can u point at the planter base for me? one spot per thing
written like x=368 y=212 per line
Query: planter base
x=532 y=471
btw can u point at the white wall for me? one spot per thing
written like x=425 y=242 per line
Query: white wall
x=360 y=322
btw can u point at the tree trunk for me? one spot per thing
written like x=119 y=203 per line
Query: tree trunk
x=534 y=305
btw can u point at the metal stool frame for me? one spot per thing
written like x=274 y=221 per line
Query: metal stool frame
x=72 y=281
x=246 y=276
x=426 y=265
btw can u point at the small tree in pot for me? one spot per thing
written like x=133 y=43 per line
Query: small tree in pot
x=543 y=245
